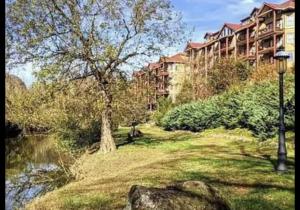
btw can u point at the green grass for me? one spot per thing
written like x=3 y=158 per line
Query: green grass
x=85 y=202
x=237 y=164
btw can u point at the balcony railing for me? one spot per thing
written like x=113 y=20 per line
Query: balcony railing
x=264 y=49
x=268 y=29
x=265 y=30
x=163 y=73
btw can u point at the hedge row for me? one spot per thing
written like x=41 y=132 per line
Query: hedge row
x=254 y=107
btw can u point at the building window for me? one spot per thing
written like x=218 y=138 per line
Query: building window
x=290 y=38
x=289 y=21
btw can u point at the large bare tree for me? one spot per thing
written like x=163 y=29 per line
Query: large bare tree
x=76 y=39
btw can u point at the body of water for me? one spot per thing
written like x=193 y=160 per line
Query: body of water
x=34 y=166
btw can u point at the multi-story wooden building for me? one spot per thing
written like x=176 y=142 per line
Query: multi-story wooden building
x=162 y=79
x=255 y=39
x=245 y=38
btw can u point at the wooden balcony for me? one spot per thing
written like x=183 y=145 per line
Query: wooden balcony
x=266 y=32
x=264 y=50
x=163 y=73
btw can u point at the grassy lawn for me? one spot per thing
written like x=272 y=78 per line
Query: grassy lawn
x=230 y=160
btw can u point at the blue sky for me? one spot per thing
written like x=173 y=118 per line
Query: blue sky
x=209 y=15
x=202 y=15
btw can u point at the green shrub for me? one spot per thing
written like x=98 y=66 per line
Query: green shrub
x=254 y=107
x=195 y=116
x=164 y=105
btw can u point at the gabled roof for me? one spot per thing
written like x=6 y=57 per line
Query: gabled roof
x=254 y=10
x=285 y=5
x=177 y=58
x=232 y=26
x=152 y=66
x=246 y=18
x=211 y=33
x=194 y=45
x=207 y=34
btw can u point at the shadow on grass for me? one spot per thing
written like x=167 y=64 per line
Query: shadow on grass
x=220 y=174
x=289 y=162
x=217 y=181
x=151 y=140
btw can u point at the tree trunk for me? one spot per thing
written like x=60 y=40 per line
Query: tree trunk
x=107 y=143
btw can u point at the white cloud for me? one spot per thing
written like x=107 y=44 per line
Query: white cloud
x=243 y=7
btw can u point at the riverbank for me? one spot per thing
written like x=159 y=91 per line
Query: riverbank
x=230 y=160
x=33 y=165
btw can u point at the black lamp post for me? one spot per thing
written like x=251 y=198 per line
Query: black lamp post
x=281 y=56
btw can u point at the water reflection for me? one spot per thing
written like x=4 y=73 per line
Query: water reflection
x=33 y=166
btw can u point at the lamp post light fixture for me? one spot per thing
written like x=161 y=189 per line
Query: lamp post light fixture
x=281 y=56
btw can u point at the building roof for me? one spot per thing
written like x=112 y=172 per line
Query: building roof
x=284 y=5
x=152 y=66
x=138 y=73
x=246 y=18
x=177 y=58
x=290 y=4
x=254 y=10
x=211 y=34
x=233 y=26
x=194 y=45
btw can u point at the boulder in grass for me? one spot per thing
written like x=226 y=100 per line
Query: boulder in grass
x=189 y=195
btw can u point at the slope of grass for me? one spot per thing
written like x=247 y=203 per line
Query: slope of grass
x=230 y=160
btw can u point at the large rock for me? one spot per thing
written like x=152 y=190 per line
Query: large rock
x=189 y=195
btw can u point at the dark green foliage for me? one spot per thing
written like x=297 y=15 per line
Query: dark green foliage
x=195 y=116
x=164 y=105
x=255 y=107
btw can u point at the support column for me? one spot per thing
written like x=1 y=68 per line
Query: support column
x=226 y=47
x=235 y=45
x=274 y=20
x=247 y=43
x=274 y=37
x=256 y=44
x=219 y=49
x=205 y=60
x=274 y=47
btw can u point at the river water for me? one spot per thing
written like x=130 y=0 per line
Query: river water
x=34 y=166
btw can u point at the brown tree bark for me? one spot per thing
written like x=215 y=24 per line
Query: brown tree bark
x=107 y=143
